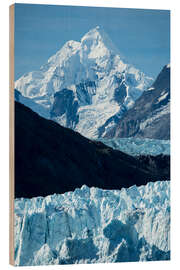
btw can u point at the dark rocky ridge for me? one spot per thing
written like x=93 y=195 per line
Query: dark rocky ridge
x=150 y=106
x=66 y=102
x=52 y=159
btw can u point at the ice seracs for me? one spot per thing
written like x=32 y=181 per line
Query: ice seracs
x=136 y=146
x=92 y=225
x=103 y=85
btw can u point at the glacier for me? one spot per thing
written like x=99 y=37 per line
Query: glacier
x=91 y=77
x=91 y=225
x=137 y=146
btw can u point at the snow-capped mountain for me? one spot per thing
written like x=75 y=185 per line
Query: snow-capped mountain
x=85 y=83
x=92 y=225
x=150 y=115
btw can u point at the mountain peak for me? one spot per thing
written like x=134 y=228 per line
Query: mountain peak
x=97 y=36
x=98 y=29
x=94 y=76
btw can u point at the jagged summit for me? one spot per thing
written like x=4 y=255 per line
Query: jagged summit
x=98 y=35
x=96 y=31
x=85 y=84
x=95 y=43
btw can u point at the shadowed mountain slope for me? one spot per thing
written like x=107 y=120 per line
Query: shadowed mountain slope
x=150 y=115
x=52 y=159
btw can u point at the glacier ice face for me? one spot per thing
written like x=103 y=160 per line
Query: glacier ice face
x=136 y=146
x=101 y=82
x=92 y=225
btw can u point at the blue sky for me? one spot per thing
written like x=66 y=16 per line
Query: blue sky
x=142 y=36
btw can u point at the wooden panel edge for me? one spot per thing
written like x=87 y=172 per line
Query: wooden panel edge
x=11 y=134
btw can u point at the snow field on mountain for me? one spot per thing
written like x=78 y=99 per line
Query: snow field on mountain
x=91 y=117
x=92 y=225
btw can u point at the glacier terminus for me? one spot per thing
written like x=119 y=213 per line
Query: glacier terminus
x=92 y=225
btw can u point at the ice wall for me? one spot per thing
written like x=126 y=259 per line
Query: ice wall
x=92 y=225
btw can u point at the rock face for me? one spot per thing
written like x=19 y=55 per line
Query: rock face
x=150 y=115
x=92 y=225
x=53 y=159
x=65 y=106
x=102 y=85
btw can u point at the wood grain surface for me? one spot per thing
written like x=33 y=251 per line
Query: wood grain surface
x=11 y=135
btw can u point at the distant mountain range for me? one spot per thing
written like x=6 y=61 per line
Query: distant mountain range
x=86 y=86
x=52 y=159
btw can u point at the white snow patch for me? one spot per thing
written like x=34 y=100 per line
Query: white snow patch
x=150 y=89
x=162 y=97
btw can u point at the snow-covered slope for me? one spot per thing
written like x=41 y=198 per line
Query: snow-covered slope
x=136 y=146
x=85 y=83
x=38 y=108
x=92 y=225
